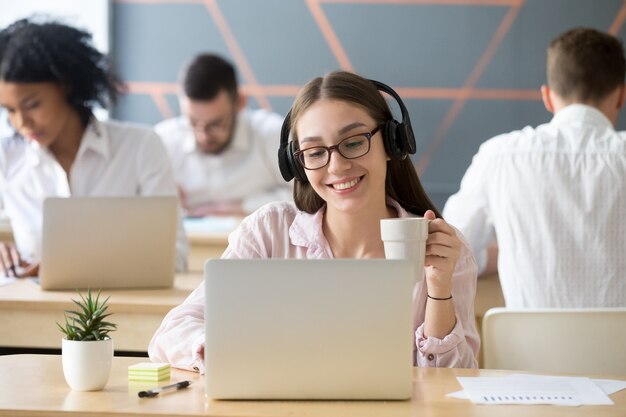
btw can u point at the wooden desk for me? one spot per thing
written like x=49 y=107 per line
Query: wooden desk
x=203 y=246
x=33 y=385
x=6 y=235
x=488 y=295
x=29 y=314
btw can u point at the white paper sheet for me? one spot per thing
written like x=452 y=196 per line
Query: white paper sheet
x=533 y=389
x=608 y=386
x=4 y=280
x=211 y=224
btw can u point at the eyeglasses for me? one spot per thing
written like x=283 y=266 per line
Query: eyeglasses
x=351 y=147
x=219 y=127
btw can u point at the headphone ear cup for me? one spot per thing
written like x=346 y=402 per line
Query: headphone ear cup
x=399 y=137
x=283 y=163
x=406 y=138
x=392 y=138
x=296 y=169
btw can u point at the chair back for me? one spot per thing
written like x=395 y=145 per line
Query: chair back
x=587 y=341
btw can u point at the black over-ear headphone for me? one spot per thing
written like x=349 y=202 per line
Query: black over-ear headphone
x=398 y=139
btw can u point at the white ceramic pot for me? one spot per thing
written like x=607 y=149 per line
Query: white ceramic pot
x=87 y=365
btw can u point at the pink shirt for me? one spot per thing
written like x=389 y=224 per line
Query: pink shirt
x=280 y=230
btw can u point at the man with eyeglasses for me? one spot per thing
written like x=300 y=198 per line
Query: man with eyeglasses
x=223 y=154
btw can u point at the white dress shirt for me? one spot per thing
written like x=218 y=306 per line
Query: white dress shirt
x=555 y=196
x=247 y=170
x=114 y=159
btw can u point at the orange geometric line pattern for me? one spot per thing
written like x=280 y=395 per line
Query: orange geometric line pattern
x=162 y=105
x=261 y=92
x=459 y=96
x=239 y=57
x=157 y=92
x=619 y=20
x=406 y=2
x=473 y=78
x=161 y=1
x=433 y=2
x=148 y=88
x=329 y=34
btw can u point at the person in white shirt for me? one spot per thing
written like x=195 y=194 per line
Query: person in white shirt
x=222 y=153
x=50 y=78
x=555 y=195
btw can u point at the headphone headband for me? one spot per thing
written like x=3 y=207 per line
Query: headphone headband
x=398 y=139
x=411 y=148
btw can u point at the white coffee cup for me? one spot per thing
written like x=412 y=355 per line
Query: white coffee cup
x=405 y=238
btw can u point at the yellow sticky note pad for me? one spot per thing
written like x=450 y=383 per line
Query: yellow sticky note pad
x=149 y=372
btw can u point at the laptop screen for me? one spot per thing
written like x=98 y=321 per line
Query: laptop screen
x=309 y=329
x=108 y=242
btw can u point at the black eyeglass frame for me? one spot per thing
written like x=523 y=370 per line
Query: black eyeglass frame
x=299 y=154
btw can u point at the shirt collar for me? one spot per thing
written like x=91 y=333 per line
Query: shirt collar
x=94 y=138
x=188 y=140
x=34 y=152
x=581 y=114
x=306 y=229
x=242 y=135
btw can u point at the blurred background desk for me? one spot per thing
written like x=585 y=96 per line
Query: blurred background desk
x=208 y=238
x=33 y=385
x=23 y=302
x=203 y=246
x=29 y=314
x=5 y=229
x=488 y=295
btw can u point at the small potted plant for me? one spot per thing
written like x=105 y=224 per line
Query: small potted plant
x=87 y=348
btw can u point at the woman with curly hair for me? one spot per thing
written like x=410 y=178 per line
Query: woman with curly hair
x=51 y=77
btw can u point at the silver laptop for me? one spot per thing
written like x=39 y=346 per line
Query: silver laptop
x=309 y=329
x=108 y=242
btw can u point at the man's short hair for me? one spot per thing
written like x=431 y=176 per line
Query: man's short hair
x=206 y=75
x=585 y=65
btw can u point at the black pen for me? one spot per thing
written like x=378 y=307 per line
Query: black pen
x=156 y=391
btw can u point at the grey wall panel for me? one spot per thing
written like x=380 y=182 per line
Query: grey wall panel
x=429 y=50
x=138 y=108
x=280 y=40
x=479 y=120
x=151 y=41
x=414 y=45
x=520 y=60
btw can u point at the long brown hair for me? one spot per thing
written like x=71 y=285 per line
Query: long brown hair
x=402 y=183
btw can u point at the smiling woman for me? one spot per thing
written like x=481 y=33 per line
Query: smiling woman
x=349 y=160
x=51 y=77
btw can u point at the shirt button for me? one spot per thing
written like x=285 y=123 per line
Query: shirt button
x=431 y=357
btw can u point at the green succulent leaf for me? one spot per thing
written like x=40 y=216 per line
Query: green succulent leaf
x=87 y=322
